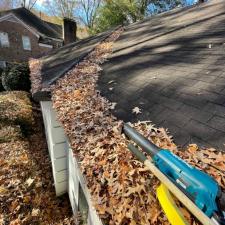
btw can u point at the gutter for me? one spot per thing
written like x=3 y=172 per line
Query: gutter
x=46 y=95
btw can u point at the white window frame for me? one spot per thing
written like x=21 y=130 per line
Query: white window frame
x=2 y=64
x=4 y=39
x=26 y=43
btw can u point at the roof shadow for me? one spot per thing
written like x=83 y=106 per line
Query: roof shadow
x=176 y=78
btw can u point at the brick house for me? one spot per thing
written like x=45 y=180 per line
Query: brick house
x=24 y=35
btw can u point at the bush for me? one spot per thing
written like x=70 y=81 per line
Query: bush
x=1 y=87
x=16 y=77
x=16 y=108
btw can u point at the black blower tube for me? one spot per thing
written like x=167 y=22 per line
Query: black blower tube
x=140 y=140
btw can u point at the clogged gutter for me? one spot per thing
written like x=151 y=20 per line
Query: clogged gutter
x=122 y=190
x=35 y=74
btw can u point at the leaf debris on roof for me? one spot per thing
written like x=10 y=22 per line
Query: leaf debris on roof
x=122 y=189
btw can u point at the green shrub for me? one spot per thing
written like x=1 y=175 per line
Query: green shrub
x=16 y=77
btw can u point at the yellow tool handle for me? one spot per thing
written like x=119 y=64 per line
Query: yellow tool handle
x=172 y=212
x=204 y=219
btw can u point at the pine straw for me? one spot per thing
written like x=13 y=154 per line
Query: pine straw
x=123 y=191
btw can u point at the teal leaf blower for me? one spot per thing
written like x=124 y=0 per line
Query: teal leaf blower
x=198 y=186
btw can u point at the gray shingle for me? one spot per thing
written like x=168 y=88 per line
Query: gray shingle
x=188 y=89
x=217 y=123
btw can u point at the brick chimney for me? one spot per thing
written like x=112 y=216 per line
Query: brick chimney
x=69 y=31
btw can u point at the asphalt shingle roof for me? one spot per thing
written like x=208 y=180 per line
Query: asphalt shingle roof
x=44 y=28
x=172 y=66
x=58 y=62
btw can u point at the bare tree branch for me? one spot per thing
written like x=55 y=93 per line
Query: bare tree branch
x=29 y=4
x=89 y=9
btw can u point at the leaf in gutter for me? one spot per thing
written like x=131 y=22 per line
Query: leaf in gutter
x=192 y=148
x=111 y=81
x=3 y=190
x=113 y=105
x=77 y=94
x=29 y=182
x=35 y=212
x=136 y=110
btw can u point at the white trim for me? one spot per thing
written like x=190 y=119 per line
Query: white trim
x=4 y=40
x=26 y=43
x=2 y=64
x=12 y=19
x=45 y=45
x=55 y=39
x=25 y=25
x=7 y=16
x=57 y=147
x=35 y=32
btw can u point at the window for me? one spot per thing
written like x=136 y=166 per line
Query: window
x=2 y=64
x=4 y=39
x=26 y=43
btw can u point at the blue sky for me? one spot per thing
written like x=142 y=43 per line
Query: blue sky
x=41 y=7
x=190 y=2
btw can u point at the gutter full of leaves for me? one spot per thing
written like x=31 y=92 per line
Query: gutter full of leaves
x=122 y=189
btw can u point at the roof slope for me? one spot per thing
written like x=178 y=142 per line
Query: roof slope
x=172 y=67
x=56 y=27
x=58 y=62
x=35 y=22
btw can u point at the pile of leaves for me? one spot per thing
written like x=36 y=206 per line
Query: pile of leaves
x=122 y=189
x=35 y=74
x=10 y=133
x=16 y=108
x=209 y=160
x=27 y=194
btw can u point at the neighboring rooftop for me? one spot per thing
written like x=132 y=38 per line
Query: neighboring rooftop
x=171 y=66
x=56 y=27
x=44 y=28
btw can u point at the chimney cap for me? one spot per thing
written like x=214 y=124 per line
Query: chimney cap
x=68 y=19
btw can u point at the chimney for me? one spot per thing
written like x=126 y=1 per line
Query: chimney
x=69 y=31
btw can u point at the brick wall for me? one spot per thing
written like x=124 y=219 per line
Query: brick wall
x=15 y=52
